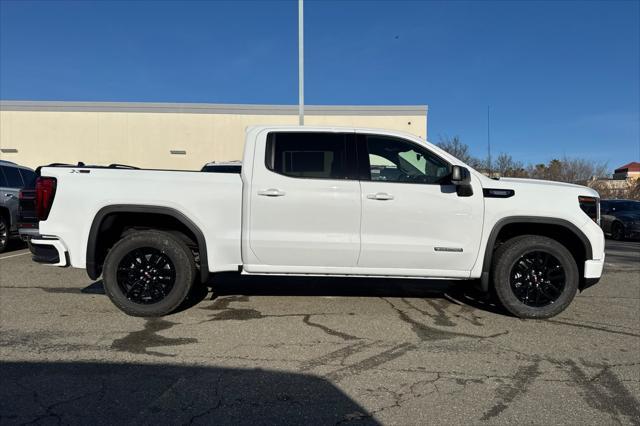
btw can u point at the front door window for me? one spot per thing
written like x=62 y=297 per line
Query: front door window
x=395 y=160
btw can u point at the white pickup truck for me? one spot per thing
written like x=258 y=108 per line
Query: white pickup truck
x=321 y=201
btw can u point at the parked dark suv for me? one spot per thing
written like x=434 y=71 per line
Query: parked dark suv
x=620 y=218
x=13 y=178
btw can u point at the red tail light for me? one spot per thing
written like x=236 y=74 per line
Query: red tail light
x=45 y=191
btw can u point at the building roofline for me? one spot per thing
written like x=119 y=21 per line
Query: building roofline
x=200 y=108
x=633 y=166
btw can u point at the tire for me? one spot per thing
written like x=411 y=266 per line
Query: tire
x=4 y=234
x=534 y=276
x=167 y=272
x=617 y=231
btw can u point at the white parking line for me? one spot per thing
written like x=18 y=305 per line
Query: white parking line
x=16 y=255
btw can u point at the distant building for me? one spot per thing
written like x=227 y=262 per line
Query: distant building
x=620 y=185
x=171 y=136
x=631 y=170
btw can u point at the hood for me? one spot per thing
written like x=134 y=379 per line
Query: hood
x=525 y=184
x=525 y=181
x=628 y=215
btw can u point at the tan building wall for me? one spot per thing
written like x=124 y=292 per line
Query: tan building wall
x=142 y=134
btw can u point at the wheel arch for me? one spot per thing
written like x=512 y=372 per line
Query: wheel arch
x=94 y=256
x=516 y=225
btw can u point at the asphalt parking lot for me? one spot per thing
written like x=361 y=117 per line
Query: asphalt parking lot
x=316 y=351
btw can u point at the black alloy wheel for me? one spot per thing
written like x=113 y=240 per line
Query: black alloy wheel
x=146 y=275
x=534 y=276
x=537 y=279
x=149 y=273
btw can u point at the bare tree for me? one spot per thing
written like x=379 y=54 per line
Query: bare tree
x=634 y=191
x=505 y=165
x=461 y=151
x=568 y=170
x=607 y=191
x=577 y=169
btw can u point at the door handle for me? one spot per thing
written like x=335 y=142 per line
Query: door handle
x=271 y=192
x=380 y=196
x=10 y=195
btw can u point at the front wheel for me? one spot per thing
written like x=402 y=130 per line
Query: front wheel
x=149 y=273
x=617 y=231
x=534 y=276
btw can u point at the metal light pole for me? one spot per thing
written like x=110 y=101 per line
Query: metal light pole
x=489 y=139
x=301 y=62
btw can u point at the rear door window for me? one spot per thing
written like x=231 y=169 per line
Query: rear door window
x=311 y=155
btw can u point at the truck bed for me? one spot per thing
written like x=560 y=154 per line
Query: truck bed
x=211 y=201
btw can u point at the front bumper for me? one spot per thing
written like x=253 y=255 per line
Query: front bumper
x=49 y=251
x=593 y=268
x=592 y=273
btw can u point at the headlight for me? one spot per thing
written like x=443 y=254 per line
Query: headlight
x=591 y=206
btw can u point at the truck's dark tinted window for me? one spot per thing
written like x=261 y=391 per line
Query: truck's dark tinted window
x=13 y=177
x=3 y=180
x=232 y=168
x=28 y=177
x=396 y=160
x=308 y=155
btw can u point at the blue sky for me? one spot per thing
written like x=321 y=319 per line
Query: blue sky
x=562 y=78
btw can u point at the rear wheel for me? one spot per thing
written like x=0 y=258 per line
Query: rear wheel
x=149 y=273
x=4 y=234
x=534 y=276
x=617 y=231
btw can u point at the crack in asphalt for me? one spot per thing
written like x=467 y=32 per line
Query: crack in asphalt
x=508 y=392
x=440 y=318
x=591 y=327
x=214 y=407
x=340 y=354
x=66 y=290
x=605 y=392
x=426 y=333
x=604 y=324
x=49 y=409
x=371 y=362
x=329 y=331
x=227 y=313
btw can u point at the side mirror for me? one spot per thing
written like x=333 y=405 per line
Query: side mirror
x=460 y=175
x=461 y=178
